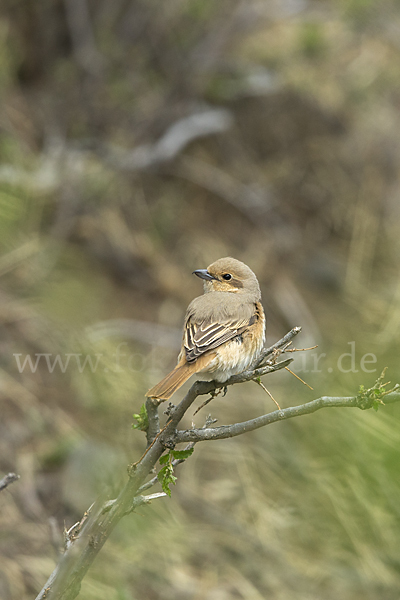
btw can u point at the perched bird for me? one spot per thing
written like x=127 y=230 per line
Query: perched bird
x=224 y=330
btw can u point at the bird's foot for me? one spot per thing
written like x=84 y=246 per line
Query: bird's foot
x=213 y=394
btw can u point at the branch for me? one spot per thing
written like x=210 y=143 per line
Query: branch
x=85 y=539
x=7 y=479
x=89 y=535
x=153 y=428
x=227 y=431
x=280 y=345
x=137 y=501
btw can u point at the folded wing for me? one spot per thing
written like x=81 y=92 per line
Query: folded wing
x=208 y=335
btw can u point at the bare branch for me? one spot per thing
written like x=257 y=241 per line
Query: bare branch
x=137 y=501
x=7 y=479
x=90 y=534
x=86 y=538
x=227 y=431
x=65 y=581
x=154 y=421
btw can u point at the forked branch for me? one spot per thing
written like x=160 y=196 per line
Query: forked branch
x=87 y=537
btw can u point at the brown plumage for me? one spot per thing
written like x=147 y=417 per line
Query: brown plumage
x=224 y=329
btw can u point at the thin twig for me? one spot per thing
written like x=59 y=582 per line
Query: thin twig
x=299 y=378
x=301 y=349
x=260 y=383
x=213 y=395
x=137 y=501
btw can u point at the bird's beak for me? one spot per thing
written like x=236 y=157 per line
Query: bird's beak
x=203 y=274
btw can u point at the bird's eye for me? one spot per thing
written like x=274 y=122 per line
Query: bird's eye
x=227 y=276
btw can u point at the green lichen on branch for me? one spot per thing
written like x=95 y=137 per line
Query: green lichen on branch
x=372 y=397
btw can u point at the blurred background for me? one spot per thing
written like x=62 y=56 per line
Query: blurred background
x=139 y=141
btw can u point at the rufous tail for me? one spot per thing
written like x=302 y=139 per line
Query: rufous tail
x=174 y=380
x=171 y=382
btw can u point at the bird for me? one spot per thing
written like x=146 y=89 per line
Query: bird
x=224 y=329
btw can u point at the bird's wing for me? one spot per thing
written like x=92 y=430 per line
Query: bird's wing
x=208 y=335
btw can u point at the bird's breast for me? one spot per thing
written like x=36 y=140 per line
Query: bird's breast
x=237 y=355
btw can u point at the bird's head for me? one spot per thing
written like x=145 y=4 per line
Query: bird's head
x=229 y=275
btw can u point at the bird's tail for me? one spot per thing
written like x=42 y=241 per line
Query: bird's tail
x=171 y=382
